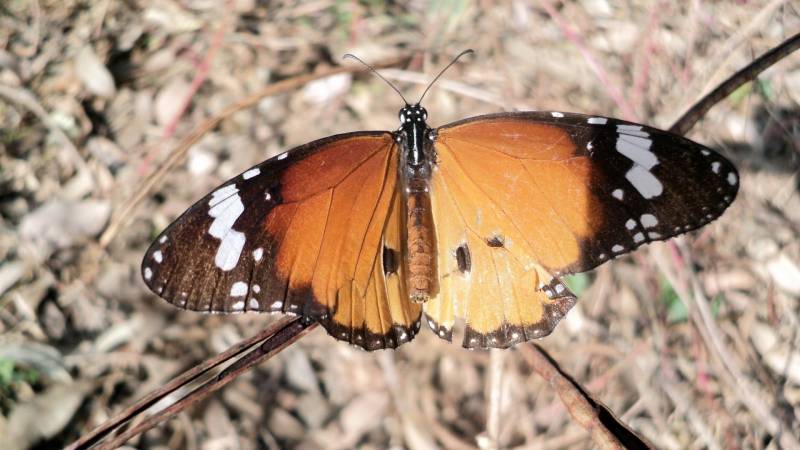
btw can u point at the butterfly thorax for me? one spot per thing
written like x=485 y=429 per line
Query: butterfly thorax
x=419 y=241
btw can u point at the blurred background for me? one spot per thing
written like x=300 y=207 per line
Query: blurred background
x=693 y=345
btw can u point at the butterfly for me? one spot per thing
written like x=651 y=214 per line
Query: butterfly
x=477 y=220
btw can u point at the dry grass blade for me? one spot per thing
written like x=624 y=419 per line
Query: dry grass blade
x=606 y=431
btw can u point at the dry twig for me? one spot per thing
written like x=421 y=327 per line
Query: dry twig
x=606 y=431
x=261 y=347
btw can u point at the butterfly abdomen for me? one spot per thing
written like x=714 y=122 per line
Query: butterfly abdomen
x=420 y=242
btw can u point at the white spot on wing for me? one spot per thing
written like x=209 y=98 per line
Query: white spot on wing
x=732 y=178
x=556 y=114
x=638 y=237
x=229 y=250
x=238 y=306
x=158 y=256
x=597 y=120
x=256 y=288
x=258 y=253
x=644 y=182
x=226 y=207
x=618 y=194
x=251 y=173
x=632 y=130
x=148 y=273
x=276 y=305
x=715 y=166
x=630 y=224
x=283 y=156
x=239 y=289
x=162 y=239
x=225 y=214
x=617 y=248
x=637 y=149
x=253 y=304
x=648 y=220
x=222 y=193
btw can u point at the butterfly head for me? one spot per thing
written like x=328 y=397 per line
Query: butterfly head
x=410 y=114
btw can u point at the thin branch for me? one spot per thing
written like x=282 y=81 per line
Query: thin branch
x=606 y=431
x=748 y=73
x=269 y=342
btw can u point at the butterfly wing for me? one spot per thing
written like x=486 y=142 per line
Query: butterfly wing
x=301 y=233
x=530 y=196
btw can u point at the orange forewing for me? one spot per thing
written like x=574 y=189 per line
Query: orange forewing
x=532 y=180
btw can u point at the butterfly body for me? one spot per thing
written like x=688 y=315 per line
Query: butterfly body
x=476 y=220
x=415 y=169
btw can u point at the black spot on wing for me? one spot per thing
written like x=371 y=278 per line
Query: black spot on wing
x=496 y=241
x=463 y=258
x=390 y=262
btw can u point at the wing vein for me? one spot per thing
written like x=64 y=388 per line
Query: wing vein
x=500 y=208
x=375 y=208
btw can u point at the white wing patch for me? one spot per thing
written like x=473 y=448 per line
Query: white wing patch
x=251 y=173
x=226 y=207
x=644 y=181
x=634 y=144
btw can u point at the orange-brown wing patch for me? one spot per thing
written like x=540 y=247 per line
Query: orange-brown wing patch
x=301 y=233
x=539 y=203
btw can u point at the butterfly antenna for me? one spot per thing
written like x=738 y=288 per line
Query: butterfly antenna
x=465 y=52
x=372 y=69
